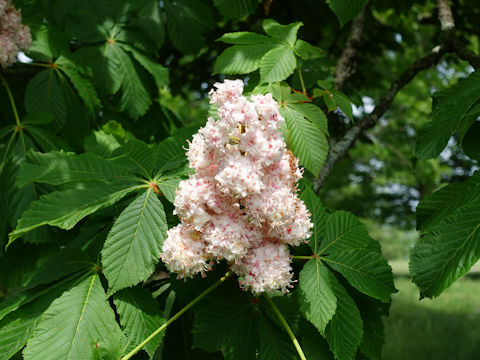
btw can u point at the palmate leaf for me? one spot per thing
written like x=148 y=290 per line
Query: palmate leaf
x=242 y=59
x=168 y=188
x=274 y=345
x=107 y=71
x=46 y=139
x=313 y=345
x=470 y=141
x=367 y=271
x=345 y=331
x=373 y=327
x=135 y=155
x=169 y=154
x=343 y=231
x=284 y=33
x=134 y=243
x=346 y=10
x=83 y=86
x=17 y=327
x=277 y=64
x=319 y=217
x=187 y=24
x=245 y=38
x=66 y=208
x=159 y=72
x=450 y=106
x=313 y=113
x=58 y=167
x=139 y=316
x=437 y=206
x=316 y=297
x=44 y=93
x=89 y=329
x=231 y=9
x=306 y=140
x=135 y=98
x=447 y=252
x=227 y=324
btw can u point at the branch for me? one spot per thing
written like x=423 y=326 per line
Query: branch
x=346 y=63
x=341 y=147
x=453 y=43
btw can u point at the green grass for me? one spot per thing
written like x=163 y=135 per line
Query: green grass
x=447 y=327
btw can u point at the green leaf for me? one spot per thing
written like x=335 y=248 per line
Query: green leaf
x=343 y=231
x=137 y=156
x=57 y=168
x=373 y=328
x=17 y=327
x=305 y=140
x=38 y=118
x=345 y=331
x=108 y=74
x=134 y=243
x=227 y=324
x=159 y=72
x=139 y=316
x=319 y=217
x=277 y=64
x=47 y=140
x=346 y=10
x=316 y=297
x=169 y=154
x=306 y=51
x=241 y=59
x=368 y=271
x=437 y=206
x=274 y=344
x=66 y=208
x=285 y=33
x=245 y=38
x=450 y=106
x=232 y=9
x=44 y=93
x=313 y=113
x=470 y=141
x=83 y=86
x=343 y=102
x=135 y=98
x=329 y=101
x=447 y=252
x=101 y=143
x=314 y=346
x=187 y=24
x=87 y=322
x=168 y=188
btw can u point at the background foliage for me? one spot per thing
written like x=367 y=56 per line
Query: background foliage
x=91 y=153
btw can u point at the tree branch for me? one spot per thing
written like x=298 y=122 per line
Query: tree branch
x=341 y=147
x=346 y=63
x=450 y=39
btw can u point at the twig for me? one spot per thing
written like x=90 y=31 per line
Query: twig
x=178 y=314
x=287 y=328
x=346 y=63
x=341 y=147
x=453 y=43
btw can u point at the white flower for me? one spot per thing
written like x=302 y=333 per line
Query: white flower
x=241 y=205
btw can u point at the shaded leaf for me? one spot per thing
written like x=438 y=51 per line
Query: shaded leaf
x=134 y=243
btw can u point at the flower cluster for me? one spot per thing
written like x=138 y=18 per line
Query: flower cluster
x=241 y=204
x=14 y=36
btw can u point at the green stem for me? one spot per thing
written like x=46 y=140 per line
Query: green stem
x=301 y=257
x=286 y=327
x=10 y=96
x=304 y=90
x=15 y=113
x=178 y=314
